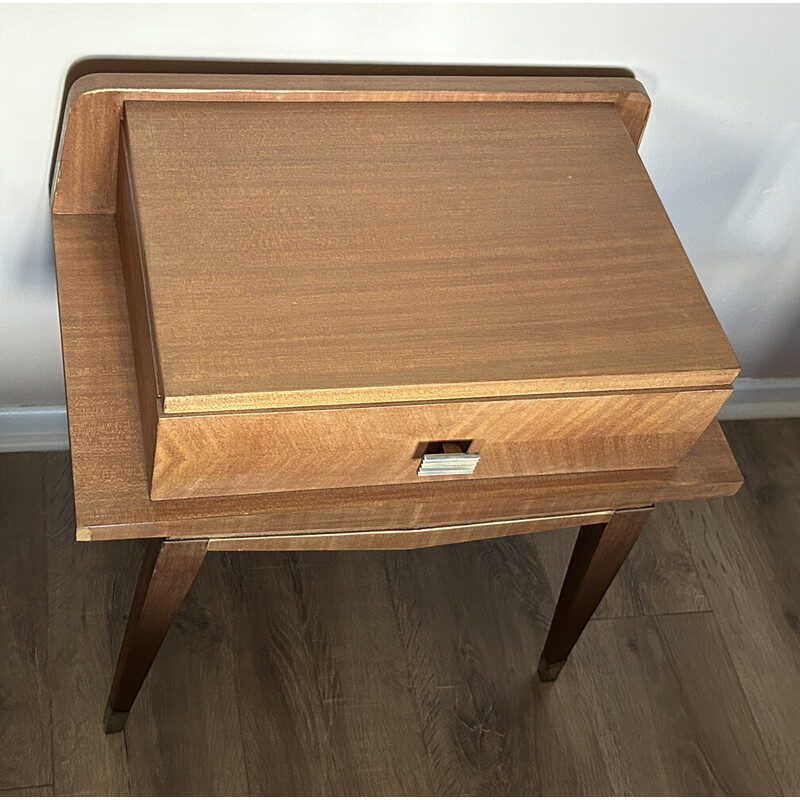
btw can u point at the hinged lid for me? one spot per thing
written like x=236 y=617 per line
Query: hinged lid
x=317 y=253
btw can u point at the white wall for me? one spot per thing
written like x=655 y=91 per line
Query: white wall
x=722 y=144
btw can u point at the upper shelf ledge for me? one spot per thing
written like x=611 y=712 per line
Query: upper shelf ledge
x=86 y=160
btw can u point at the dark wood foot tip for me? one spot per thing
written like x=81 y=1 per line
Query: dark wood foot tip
x=549 y=672
x=114 y=721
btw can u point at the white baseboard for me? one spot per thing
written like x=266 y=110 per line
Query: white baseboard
x=24 y=428
x=45 y=427
x=763 y=398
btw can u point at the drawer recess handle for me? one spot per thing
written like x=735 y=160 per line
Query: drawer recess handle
x=452 y=461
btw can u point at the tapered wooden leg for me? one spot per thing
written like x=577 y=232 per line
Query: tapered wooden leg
x=598 y=555
x=167 y=572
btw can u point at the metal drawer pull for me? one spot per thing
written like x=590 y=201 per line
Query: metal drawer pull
x=453 y=461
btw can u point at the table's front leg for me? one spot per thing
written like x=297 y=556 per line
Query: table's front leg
x=599 y=553
x=167 y=572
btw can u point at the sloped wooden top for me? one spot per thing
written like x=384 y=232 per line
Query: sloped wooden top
x=316 y=253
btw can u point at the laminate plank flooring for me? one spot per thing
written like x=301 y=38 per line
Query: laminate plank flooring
x=25 y=757
x=413 y=672
x=189 y=738
x=473 y=621
x=286 y=732
x=352 y=632
x=747 y=551
x=89 y=591
x=664 y=695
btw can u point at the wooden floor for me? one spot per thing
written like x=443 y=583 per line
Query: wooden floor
x=413 y=673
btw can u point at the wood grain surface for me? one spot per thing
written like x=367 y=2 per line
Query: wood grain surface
x=303 y=255
x=211 y=455
x=748 y=548
x=86 y=159
x=600 y=550
x=311 y=254
x=670 y=656
x=356 y=446
x=87 y=590
x=405 y=539
x=177 y=745
x=186 y=736
x=357 y=681
x=148 y=384
x=657 y=575
x=667 y=693
x=111 y=485
x=167 y=571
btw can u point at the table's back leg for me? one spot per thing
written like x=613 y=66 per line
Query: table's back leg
x=167 y=572
x=598 y=555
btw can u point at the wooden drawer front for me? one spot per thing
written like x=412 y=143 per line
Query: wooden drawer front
x=251 y=453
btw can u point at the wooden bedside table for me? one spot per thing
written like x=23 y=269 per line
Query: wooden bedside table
x=373 y=312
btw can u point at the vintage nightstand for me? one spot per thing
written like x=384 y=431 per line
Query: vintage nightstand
x=368 y=312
